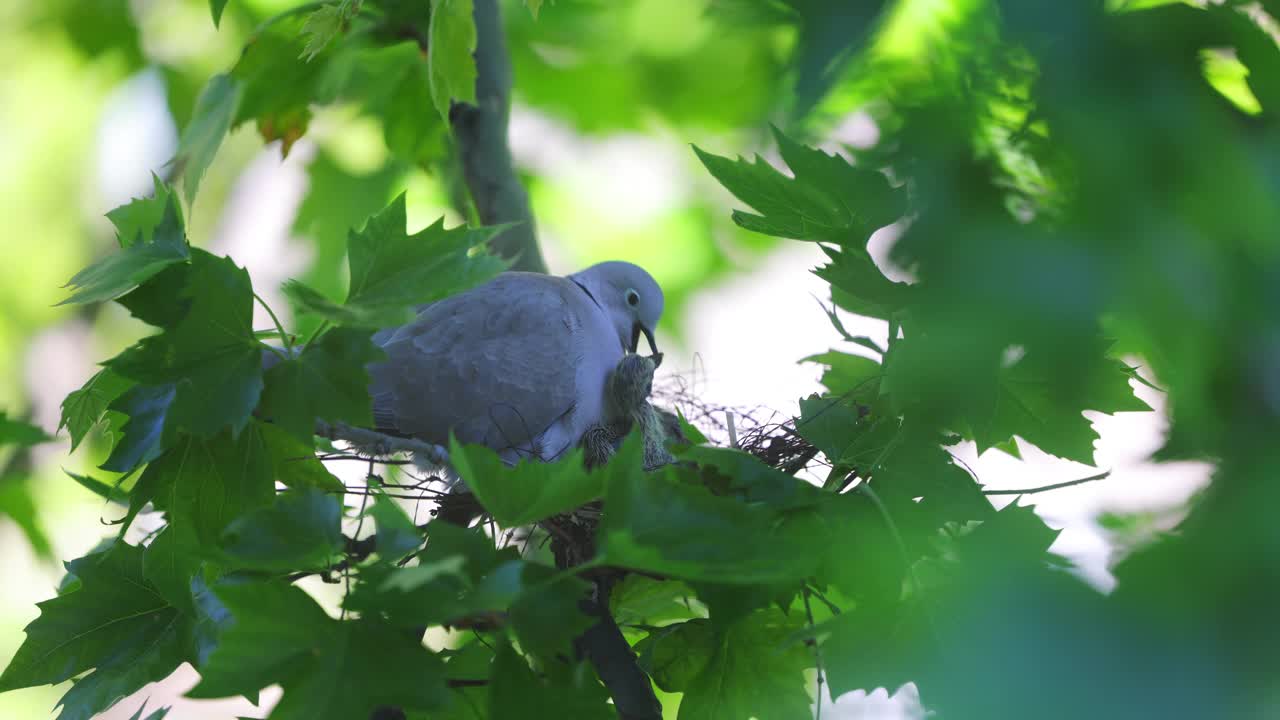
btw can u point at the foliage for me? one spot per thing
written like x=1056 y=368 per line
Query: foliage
x=1077 y=185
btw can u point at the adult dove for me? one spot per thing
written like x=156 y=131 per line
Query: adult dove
x=519 y=364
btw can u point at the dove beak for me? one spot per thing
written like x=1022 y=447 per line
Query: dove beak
x=638 y=328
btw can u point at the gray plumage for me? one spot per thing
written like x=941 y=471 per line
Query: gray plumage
x=518 y=364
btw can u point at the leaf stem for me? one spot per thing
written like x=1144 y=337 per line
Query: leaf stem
x=1045 y=488
x=288 y=342
x=324 y=325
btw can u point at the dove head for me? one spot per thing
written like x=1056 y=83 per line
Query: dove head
x=630 y=297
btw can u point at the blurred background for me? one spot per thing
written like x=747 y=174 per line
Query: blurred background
x=608 y=98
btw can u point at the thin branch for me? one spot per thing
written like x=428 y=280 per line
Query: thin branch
x=1045 y=488
x=481 y=134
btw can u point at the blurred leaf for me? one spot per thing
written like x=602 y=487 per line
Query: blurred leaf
x=546 y=617
x=640 y=600
x=392 y=271
x=111 y=493
x=159 y=713
x=20 y=433
x=757 y=481
x=1030 y=404
x=211 y=354
x=216 y=109
x=534 y=6
x=301 y=529
x=215 y=8
x=323 y=25
x=83 y=408
x=329 y=669
x=119 y=272
x=326 y=381
x=279 y=84
x=851 y=377
x=450 y=45
x=294 y=461
x=756 y=668
x=674 y=655
x=531 y=491
x=397 y=535
x=515 y=692
x=17 y=504
x=658 y=524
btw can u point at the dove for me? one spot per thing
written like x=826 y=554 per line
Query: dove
x=519 y=364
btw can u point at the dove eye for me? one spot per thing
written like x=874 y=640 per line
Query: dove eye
x=633 y=298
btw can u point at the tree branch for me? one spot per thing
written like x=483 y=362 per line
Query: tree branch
x=481 y=134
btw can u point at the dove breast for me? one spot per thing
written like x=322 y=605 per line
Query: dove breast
x=518 y=364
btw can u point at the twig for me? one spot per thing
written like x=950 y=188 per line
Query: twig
x=381 y=444
x=1045 y=488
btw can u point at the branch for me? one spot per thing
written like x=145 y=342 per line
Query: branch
x=481 y=133
x=1046 y=488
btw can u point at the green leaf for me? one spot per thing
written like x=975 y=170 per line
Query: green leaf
x=202 y=485
x=215 y=110
x=329 y=669
x=17 y=504
x=674 y=655
x=534 y=6
x=111 y=493
x=321 y=27
x=546 y=616
x=451 y=45
x=327 y=380
x=392 y=271
x=279 y=84
x=137 y=220
x=516 y=693
x=659 y=524
x=84 y=408
x=211 y=355
x=159 y=713
x=114 y=621
x=828 y=200
x=641 y=600
x=121 y=271
x=1032 y=403
x=146 y=407
x=875 y=646
x=757 y=670
x=215 y=8
x=301 y=529
x=747 y=474
x=170 y=567
x=858 y=285
x=529 y=492
x=849 y=376
x=161 y=300
x=20 y=433
x=397 y=535
x=294 y=461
